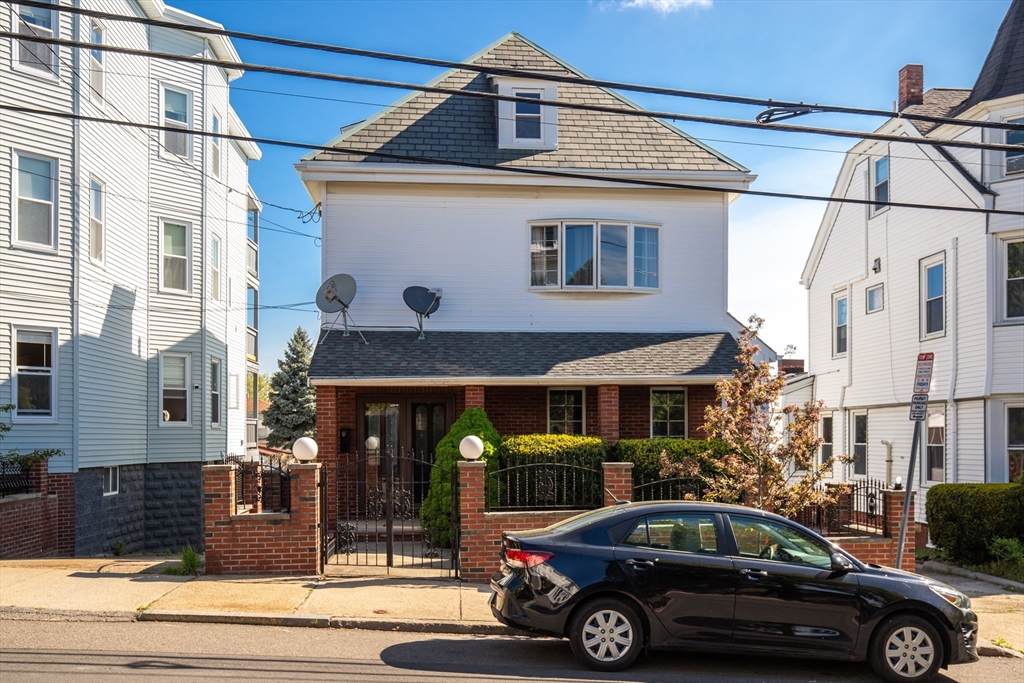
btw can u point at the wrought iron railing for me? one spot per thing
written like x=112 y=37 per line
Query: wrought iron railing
x=525 y=484
x=679 y=488
x=240 y=481
x=14 y=478
x=859 y=509
x=276 y=487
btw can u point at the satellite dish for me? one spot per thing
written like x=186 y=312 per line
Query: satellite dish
x=423 y=302
x=336 y=293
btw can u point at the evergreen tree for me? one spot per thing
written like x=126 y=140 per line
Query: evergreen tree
x=292 y=411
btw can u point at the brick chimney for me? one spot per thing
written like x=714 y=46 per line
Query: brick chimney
x=911 y=85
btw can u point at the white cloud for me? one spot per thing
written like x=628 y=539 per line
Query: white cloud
x=665 y=6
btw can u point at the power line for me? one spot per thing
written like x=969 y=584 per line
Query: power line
x=505 y=71
x=531 y=171
x=652 y=114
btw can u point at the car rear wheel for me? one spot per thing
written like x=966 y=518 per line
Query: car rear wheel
x=906 y=649
x=606 y=635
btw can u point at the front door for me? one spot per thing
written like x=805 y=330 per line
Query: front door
x=787 y=594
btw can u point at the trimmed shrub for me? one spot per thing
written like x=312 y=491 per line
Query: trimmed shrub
x=545 y=471
x=964 y=519
x=645 y=454
x=588 y=451
x=436 y=511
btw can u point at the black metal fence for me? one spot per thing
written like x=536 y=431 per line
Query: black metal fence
x=528 y=484
x=275 y=486
x=679 y=488
x=859 y=510
x=14 y=478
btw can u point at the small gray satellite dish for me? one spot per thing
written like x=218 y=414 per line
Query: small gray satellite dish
x=336 y=293
x=423 y=302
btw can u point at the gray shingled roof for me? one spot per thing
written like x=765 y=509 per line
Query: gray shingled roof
x=463 y=129
x=937 y=102
x=455 y=355
x=1002 y=74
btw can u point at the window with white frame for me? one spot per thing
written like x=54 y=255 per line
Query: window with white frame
x=176 y=115
x=215 y=269
x=860 y=444
x=215 y=147
x=33 y=373
x=96 y=75
x=827 y=443
x=935 y=446
x=1015 y=160
x=174 y=256
x=36 y=21
x=1015 y=441
x=566 y=411
x=174 y=388
x=594 y=254
x=1015 y=280
x=215 y=391
x=840 y=325
x=668 y=413
x=880 y=183
x=111 y=480
x=526 y=124
x=527 y=115
x=35 y=218
x=933 y=296
x=97 y=213
x=875 y=298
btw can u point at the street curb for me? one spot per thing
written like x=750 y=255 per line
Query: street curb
x=46 y=614
x=245 y=618
x=475 y=628
x=943 y=568
x=993 y=650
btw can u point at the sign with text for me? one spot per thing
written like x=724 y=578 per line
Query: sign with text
x=923 y=376
x=919 y=407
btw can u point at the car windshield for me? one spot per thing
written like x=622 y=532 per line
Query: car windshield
x=581 y=520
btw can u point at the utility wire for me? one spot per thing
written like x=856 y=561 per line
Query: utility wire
x=529 y=171
x=652 y=114
x=505 y=71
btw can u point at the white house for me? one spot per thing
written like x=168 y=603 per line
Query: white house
x=886 y=283
x=125 y=259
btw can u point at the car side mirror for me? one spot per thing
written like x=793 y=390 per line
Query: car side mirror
x=841 y=563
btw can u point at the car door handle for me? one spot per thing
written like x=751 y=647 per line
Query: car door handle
x=754 y=573
x=640 y=564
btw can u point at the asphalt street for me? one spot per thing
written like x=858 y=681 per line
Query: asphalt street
x=77 y=651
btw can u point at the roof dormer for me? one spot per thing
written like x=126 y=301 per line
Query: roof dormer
x=522 y=125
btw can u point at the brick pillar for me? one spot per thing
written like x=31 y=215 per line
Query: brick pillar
x=608 y=412
x=893 y=517
x=618 y=481
x=38 y=477
x=219 y=504
x=64 y=486
x=475 y=397
x=305 y=517
x=472 y=544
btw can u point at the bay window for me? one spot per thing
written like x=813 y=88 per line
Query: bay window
x=1015 y=160
x=594 y=254
x=1015 y=280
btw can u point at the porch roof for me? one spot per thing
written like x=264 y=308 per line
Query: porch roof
x=463 y=358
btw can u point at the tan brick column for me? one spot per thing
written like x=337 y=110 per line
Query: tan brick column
x=473 y=541
x=608 y=412
x=475 y=396
x=618 y=481
x=893 y=517
x=219 y=501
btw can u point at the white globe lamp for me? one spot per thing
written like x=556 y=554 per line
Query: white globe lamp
x=372 y=443
x=305 y=449
x=471 y=447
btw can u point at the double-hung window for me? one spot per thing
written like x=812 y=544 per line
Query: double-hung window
x=527 y=115
x=826 y=439
x=880 y=183
x=174 y=257
x=215 y=391
x=97 y=217
x=933 y=290
x=215 y=270
x=668 y=413
x=36 y=21
x=594 y=254
x=840 y=325
x=1015 y=160
x=96 y=63
x=35 y=217
x=566 y=411
x=875 y=298
x=936 y=446
x=176 y=115
x=34 y=377
x=174 y=388
x=215 y=147
x=860 y=444
x=1015 y=441
x=1015 y=280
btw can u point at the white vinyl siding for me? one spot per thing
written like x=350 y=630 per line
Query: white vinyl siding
x=175 y=389
x=175 y=256
x=215 y=268
x=96 y=221
x=35 y=21
x=588 y=255
x=176 y=108
x=840 y=325
x=34 y=199
x=96 y=70
x=34 y=386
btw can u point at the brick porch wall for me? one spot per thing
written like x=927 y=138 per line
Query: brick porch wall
x=40 y=523
x=883 y=549
x=635 y=410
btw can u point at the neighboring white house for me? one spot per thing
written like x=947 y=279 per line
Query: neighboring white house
x=125 y=258
x=886 y=283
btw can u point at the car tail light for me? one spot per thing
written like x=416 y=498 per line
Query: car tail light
x=522 y=559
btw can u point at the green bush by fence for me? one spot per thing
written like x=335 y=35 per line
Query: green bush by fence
x=588 y=451
x=645 y=454
x=436 y=511
x=963 y=519
x=547 y=471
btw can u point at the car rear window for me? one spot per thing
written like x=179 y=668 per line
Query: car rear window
x=582 y=520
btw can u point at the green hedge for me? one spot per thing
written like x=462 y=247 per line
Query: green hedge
x=588 y=451
x=436 y=511
x=526 y=480
x=645 y=454
x=963 y=519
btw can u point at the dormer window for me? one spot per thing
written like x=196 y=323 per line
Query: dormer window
x=525 y=125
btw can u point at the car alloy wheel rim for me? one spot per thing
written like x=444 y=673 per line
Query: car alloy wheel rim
x=909 y=652
x=607 y=636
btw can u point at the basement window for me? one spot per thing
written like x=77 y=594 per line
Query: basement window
x=111 y=480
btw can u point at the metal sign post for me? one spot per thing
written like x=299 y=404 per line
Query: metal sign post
x=918 y=413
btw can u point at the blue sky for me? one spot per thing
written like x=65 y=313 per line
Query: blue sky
x=845 y=53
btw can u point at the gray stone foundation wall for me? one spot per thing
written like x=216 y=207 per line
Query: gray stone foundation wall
x=101 y=522
x=173 y=506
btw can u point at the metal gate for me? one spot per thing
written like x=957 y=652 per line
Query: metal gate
x=380 y=498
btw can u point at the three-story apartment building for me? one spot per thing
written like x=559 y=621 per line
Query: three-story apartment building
x=128 y=269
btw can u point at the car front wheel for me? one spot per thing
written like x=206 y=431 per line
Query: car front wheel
x=606 y=635
x=906 y=649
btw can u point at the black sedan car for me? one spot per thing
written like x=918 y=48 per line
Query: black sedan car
x=727 y=578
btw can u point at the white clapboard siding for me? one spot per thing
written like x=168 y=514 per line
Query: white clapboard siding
x=1008 y=360
x=971 y=442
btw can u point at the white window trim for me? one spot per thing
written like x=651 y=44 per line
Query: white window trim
x=686 y=411
x=867 y=304
x=215 y=144
x=1006 y=435
x=872 y=185
x=506 y=114
x=1017 y=117
x=188 y=391
x=926 y=470
x=16 y=240
x=164 y=152
x=98 y=96
x=631 y=227
x=217 y=388
x=52 y=418
x=219 y=268
x=116 y=469
x=854 y=414
x=526 y=142
x=548 y=391
x=1004 y=275
x=833 y=323
x=16 y=25
x=102 y=260
x=821 y=432
x=188 y=257
x=923 y=266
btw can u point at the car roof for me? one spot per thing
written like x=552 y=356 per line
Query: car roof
x=656 y=506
